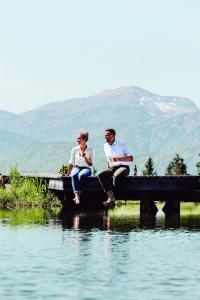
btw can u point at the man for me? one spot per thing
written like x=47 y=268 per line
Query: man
x=119 y=158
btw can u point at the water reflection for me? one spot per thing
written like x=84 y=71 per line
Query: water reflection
x=95 y=255
x=104 y=221
x=128 y=218
x=123 y=218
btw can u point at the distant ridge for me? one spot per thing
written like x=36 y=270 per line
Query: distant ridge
x=152 y=124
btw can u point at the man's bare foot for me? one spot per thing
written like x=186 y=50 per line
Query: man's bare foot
x=109 y=203
x=111 y=199
x=110 y=195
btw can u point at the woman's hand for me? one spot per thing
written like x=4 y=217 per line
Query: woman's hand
x=69 y=169
x=87 y=160
x=83 y=154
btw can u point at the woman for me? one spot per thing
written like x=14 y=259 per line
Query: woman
x=80 y=164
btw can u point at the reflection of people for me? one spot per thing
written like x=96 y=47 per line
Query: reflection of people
x=76 y=221
x=119 y=157
x=80 y=164
x=106 y=222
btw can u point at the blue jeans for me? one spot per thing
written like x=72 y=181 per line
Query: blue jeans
x=78 y=175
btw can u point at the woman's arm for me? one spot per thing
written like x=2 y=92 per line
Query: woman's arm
x=71 y=162
x=70 y=167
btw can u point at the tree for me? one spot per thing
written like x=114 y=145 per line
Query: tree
x=149 y=169
x=176 y=166
x=198 y=167
x=94 y=171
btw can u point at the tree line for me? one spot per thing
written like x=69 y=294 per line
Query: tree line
x=175 y=167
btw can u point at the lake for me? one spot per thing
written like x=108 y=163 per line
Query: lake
x=100 y=255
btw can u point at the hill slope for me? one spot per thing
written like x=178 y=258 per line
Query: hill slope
x=151 y=124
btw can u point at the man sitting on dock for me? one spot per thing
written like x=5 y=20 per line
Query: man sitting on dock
x=119 y=158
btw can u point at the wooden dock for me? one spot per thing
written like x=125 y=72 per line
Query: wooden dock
x=146 y=189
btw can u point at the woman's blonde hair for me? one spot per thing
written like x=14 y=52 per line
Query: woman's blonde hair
x=84 y=135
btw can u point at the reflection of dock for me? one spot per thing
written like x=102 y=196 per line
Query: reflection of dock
x=92 y=220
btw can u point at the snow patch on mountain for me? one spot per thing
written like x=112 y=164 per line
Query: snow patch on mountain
x=165 y=107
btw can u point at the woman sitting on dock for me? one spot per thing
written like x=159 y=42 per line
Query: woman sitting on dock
x=80 y=164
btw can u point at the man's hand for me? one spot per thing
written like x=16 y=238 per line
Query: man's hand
x=115 y=159
x=125 y=158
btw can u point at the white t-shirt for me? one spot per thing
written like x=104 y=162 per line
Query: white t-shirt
x=117 y=149
x=77 y=158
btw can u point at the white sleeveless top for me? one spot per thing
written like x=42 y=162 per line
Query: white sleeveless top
x=77 y=159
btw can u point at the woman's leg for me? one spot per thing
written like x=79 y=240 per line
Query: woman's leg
x=76 y=184
x=75 y=180
x=86 y=172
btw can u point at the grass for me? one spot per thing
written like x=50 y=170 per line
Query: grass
x=26 y=192
x=28 y=216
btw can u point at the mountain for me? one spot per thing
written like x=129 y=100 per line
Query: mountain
x=151 y=124
x=116 y=108
x=11 y=142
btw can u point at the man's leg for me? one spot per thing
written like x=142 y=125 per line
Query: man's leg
x=121 y=171
x=104 y=179
x=107 y=184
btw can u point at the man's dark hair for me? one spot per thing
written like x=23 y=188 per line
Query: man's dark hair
x=111 y=130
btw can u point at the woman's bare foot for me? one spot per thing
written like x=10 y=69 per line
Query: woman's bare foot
x=77 y=198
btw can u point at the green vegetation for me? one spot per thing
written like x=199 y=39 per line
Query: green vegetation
x=190 y=208
x=26 y=192
x=176 y=166
x=149 y=168
x=28 y=216
x=63 y=170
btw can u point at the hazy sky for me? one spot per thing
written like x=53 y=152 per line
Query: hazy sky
x=58 y=49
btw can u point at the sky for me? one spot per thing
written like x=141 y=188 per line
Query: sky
x=53 y=50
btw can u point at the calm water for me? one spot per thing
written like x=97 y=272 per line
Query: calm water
x=99 y=255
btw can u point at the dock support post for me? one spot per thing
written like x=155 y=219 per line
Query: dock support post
x=147 y=220
x=172 y=207
x=148 y=206
x=172 y=220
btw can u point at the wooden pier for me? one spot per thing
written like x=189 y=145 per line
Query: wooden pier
x=146 y=189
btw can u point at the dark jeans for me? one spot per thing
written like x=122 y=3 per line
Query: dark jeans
x=114 y=172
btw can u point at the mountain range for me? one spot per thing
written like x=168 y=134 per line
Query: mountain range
x=40 y=140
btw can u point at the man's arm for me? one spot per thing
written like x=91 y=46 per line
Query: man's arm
x=127 y=154
x=125 y=158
